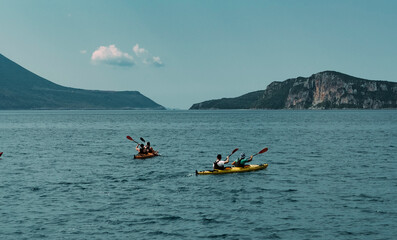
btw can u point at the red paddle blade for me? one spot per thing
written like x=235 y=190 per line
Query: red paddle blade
x=130 y=138
x=263 y=150
x=1 y=153
x=235 y=150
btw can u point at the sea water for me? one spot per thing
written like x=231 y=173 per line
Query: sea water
x=71 y=175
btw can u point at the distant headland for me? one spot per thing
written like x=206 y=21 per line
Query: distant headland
x=22 y=89
x=324 y=90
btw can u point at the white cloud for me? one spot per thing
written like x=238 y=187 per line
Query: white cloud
x=157 y=62
x=146 y=57
x=112 y=56
x=139 y=51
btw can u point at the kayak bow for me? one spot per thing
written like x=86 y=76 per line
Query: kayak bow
x=247 y=168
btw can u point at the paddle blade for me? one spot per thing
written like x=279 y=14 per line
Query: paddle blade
x=235 y=150
x=1 y=153
x=263 y=150
x=143 y=140
x=130 y=138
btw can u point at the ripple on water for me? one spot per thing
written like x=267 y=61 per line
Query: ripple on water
x=331 y=175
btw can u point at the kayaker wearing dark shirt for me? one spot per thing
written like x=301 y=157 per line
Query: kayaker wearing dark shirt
x=149 y=149
x=141 y=149
x=218 y=164
x=240 y=162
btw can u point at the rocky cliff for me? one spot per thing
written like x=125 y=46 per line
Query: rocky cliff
x=324 y=90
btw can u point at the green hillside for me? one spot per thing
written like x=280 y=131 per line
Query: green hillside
x=22 y=89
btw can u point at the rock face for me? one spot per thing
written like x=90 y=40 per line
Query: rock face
x=324 y=90
x=22 y=89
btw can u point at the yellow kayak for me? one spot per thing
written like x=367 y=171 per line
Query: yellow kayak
x=246 y=168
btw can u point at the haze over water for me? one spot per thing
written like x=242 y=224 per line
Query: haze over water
x=71 y=175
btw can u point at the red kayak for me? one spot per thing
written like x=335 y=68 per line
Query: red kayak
x=143 y=156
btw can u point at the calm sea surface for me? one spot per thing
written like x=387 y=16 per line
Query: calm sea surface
x=71 y=175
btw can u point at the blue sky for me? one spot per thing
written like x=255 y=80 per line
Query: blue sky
x=183 y=52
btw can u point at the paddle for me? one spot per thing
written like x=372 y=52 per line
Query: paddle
x=261 y=151
x=130 y=138
x=1 y=153
x=235 y=150
x=143 y=140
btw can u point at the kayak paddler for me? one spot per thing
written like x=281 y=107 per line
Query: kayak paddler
x=141 y=149
x=149 y=149
x=240 y=162
x=219 y=164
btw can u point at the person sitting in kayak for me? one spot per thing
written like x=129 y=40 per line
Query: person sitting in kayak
x=149 y=149
x=240 y=162
x=218 y=164
x=141 y=149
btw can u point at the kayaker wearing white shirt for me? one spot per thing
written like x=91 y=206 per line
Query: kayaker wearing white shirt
x=218 y=164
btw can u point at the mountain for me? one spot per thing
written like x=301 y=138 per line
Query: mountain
x=22 y=89
x=324 y=90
